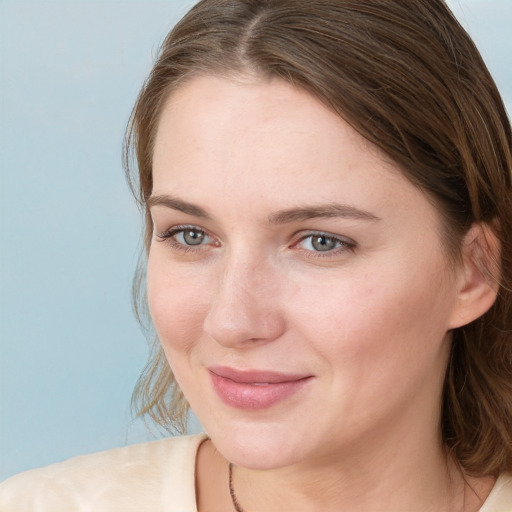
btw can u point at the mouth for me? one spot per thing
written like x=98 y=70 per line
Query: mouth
x=255 y=389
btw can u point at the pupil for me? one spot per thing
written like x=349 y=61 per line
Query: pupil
x=323 y=243
x=193 y=237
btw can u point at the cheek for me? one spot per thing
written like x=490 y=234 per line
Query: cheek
x=380 y=344
x=385 y=317
x=176 y=302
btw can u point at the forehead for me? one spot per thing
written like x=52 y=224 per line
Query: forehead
x=255 y=104
x=228 y=138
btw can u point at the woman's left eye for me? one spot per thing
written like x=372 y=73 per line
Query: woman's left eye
x=325 y=243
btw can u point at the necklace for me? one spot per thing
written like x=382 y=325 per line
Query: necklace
x=237 y=506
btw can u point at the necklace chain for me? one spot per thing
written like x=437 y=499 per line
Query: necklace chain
x=236 y=505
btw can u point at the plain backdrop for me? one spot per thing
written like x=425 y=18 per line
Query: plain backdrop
x=70 y=348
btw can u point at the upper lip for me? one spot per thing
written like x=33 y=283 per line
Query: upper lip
x=256 y=376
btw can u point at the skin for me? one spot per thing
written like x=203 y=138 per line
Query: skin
x=369 y=320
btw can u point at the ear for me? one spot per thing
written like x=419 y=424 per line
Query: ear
x=478 y=278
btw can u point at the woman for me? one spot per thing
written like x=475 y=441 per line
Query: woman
x=326 y=187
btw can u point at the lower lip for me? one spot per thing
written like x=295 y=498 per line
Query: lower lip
x=254 y=396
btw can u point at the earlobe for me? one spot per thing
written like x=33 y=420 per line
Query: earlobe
x=478 y=282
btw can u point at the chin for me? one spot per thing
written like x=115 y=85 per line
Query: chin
x=258 y=446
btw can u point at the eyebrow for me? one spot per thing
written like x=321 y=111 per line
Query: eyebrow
x=178 y=204
x=330 y=210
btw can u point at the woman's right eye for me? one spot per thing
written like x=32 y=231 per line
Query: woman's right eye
x=186 y=238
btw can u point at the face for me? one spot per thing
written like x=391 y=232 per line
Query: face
x=297 y=281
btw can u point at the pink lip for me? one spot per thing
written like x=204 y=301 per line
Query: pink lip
x=255 y=389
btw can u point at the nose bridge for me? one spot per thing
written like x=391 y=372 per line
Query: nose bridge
x=245 y=306
x=246 y=273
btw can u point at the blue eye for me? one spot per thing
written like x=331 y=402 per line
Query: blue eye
x=186 y=237
x=190 y=237
x=322 y=242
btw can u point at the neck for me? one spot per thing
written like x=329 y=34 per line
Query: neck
x=409 y=472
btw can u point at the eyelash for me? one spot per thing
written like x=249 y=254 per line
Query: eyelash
x=168 y=236
x=344 y=244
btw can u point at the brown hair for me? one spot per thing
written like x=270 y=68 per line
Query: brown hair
x=408 y=78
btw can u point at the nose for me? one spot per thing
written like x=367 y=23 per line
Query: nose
x=245 y=308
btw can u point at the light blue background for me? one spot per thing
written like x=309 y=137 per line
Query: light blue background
x=70 y=348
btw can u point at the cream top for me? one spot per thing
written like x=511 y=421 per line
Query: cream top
x=150 y=477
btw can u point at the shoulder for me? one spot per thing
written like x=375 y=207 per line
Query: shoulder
x=138 y=477
x=500 y=498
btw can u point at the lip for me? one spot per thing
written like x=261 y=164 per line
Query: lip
x=255 y=389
